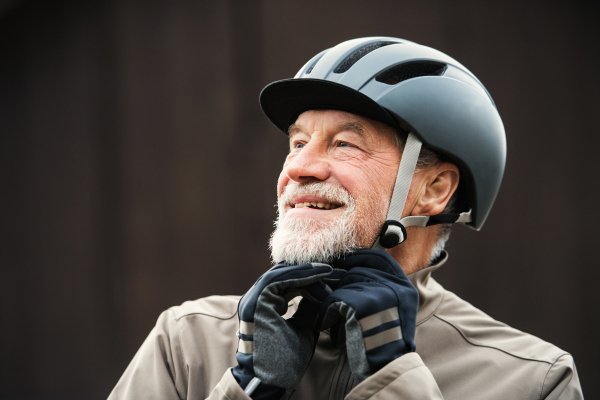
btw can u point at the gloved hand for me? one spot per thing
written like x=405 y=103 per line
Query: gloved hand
x=374 y=307
x=273 y=353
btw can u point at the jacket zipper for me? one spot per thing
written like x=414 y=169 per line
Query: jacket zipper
x=343 y=379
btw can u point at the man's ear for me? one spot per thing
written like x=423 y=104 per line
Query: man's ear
x=441 y=183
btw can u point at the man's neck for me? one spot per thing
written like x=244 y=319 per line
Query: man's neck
x=415 y=253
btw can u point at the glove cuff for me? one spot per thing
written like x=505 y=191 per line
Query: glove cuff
x=262 y=391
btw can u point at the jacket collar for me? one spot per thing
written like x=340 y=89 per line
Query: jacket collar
x=431 y=293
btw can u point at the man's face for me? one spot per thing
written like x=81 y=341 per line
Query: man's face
x=335 y=186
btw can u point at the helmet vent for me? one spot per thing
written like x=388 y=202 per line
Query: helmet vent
x=358 y=54
x=309 y=70
x=410 y=70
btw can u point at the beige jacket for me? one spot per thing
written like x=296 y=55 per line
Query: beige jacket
x=461 y=354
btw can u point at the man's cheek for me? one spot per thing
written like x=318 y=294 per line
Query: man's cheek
x=281 y=184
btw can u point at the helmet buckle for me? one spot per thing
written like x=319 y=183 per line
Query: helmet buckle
x=392 y=234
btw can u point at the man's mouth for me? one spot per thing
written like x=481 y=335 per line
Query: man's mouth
x=317 y=205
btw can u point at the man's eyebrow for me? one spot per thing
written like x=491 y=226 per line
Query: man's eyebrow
x=293 y=129
x=353 y=126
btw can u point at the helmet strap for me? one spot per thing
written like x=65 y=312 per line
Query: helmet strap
x=429 y=220
x=393 y=231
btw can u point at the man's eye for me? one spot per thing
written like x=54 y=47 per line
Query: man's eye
x=299 y=145
x=343 y=144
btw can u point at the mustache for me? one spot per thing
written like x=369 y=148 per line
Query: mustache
x=329 y=191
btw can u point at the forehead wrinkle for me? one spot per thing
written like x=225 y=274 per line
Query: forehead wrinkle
x=352 y=126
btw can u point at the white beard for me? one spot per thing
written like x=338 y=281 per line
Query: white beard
x=300 y=241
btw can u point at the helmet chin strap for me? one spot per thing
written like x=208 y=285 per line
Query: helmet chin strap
x=393 y=231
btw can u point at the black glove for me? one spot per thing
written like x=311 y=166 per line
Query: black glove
x=375 y=308
x=273 y=353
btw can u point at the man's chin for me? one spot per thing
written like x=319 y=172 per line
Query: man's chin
x=311 y=241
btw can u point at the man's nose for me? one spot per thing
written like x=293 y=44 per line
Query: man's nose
x=310 y=165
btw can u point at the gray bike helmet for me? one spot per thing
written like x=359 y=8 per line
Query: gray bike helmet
x=418 y=90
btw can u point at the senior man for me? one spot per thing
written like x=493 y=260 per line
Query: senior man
x=390 y=144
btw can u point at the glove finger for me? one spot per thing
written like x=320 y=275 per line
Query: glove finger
x=384 y=302
x=297 y=273
x=333 y=280
x=275 y=285
x=316 y=292
x=366 y=298
x=364 y=275
x=379 y=324
x=304 y=319
x=330 y=319
x=372 y=259
x=329 y=314
x=295 y=279
x=307 y=313
x=307 y=310
x=371 y=342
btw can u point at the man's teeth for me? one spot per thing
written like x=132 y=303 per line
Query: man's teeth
x=315 y=204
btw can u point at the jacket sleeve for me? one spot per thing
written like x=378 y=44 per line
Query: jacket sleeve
x=562 y=382
x=405 y=378
x=156 y=371
x=228 y=388
x=159 y=371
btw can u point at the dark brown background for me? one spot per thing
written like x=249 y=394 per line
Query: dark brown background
x=137 y=170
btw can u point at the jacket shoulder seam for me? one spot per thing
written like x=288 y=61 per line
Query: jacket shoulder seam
x=199 y=309
x=179 y=336
x=178 y=328
x=434 y=311
x=180 y=343
x=547 y=372
x=493 y=347
x=207 y=315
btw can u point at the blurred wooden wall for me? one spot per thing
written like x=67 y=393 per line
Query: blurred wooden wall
x=137 y=170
